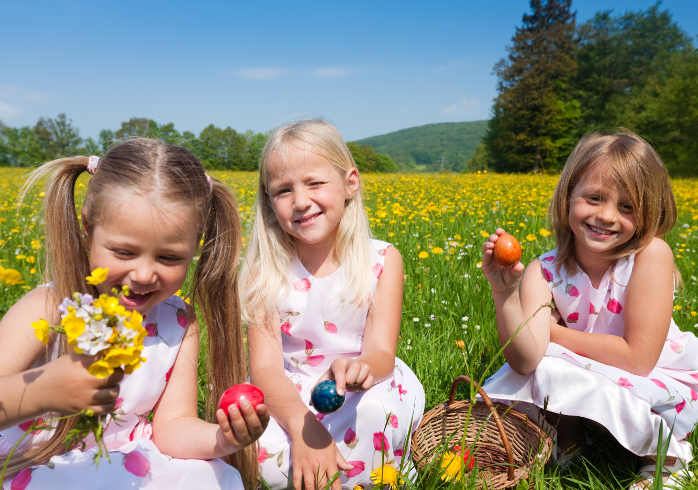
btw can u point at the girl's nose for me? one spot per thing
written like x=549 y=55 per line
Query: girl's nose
x=143 y=273
x=608 y=212
x=301 y=199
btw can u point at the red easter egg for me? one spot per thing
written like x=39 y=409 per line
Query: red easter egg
x=233 y=394
x=507 y=250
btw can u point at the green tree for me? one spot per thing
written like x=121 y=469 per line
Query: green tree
x=221 y=148
x=57 y=138
x=369 y=160
x=535 y=115
x=137 y=126
x=665 y=112
x=616 y=58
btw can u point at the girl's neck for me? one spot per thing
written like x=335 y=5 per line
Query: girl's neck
x=320 y=261
x=594 y=266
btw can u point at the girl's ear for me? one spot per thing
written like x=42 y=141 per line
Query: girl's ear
x=351 y=183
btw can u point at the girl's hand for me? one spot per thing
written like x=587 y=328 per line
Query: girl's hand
x=68 y=387
x=241 y=426
x=315 y=458
x=501 y=278
x=351 y=374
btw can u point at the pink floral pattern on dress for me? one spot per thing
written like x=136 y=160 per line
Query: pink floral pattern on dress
x=349 y=436
x=315 y=360
x=152 y=329
x=21 y=480
x=136 y=463
x=330 y=327
x=625 y=382
x=182 y=318
x=679 y=406
x=262 y=454
x=378 y=270
x=547 y=274
x=286 y=328
x=24 y=426
x=308 y=347
x=357 y=468
x=614 y=306
x=572 y=290
x=573 y=317
x=302 y=285
x=380 y=442
x=393 y=420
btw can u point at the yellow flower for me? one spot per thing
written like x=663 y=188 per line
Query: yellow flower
x=98 y=276
x=74 y=326
x=544 y=232
x=423 y=254
x=531 y=237
x=120 y=356
x=100 y=369
x=10 y=277
x=387 y=475
x=451 y=467
x=35 y=244
x=41 y=330
x=484 y=234
x=437 y=250
x=460 y=344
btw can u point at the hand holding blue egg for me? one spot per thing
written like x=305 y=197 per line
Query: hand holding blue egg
x=325 y=398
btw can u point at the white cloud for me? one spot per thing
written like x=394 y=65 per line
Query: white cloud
x=331 y=72
x=465 y=105
x=261 y=73
x=7 y=111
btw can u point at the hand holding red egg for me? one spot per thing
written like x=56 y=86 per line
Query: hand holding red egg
x=240 y=425
x=507 y=250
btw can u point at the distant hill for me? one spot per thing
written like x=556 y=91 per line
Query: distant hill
x=432 y=147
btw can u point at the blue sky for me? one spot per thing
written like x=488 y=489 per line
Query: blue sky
x=368 y=67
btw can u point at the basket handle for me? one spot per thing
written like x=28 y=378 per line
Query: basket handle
x=505 y=440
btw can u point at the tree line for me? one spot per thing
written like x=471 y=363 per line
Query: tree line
x=216 y=148
x=637 y=71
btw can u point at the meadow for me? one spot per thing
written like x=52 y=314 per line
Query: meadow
x=438 y=222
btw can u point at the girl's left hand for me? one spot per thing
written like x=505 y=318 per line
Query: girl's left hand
x=350 y=374
x=241 y=426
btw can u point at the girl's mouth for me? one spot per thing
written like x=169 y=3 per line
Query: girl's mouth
x=135 y=300
x=307 y=220
x=600 y=231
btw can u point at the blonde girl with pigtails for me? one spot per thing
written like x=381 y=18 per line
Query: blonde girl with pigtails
x=147 y=207
x=323 y=300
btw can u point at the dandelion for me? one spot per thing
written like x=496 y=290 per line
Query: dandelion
x=387 y=475
x=451 y=467
x=437 y=250
x=423 y=254
x=460 y=344
x=543 y=232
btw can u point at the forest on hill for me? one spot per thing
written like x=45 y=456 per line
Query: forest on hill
x=432 y=147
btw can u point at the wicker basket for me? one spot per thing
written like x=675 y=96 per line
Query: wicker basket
x=505 y=446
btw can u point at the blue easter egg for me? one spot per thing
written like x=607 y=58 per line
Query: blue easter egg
x=325 y=398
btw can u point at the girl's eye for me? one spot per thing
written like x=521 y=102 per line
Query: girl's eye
x=281 y=192
x=123 y=253
x=316 y=183
x=170 y=259
x=626 y=208
x=593 y=198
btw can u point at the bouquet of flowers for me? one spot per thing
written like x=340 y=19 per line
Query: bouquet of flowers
x=99 y=327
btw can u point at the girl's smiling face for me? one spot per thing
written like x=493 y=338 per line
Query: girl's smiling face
x=147 y=244
x=601 y=215
x=308 y=195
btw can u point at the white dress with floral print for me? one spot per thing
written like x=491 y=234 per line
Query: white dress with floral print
x=372 y=426
x=135 y=460
x=631 y=407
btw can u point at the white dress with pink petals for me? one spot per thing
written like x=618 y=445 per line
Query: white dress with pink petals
x=372 y=426
x=631 y=407
x=135 y=460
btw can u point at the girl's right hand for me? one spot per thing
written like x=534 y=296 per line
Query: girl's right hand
x=501 y=278
x=315 y=457
x=68 y=387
